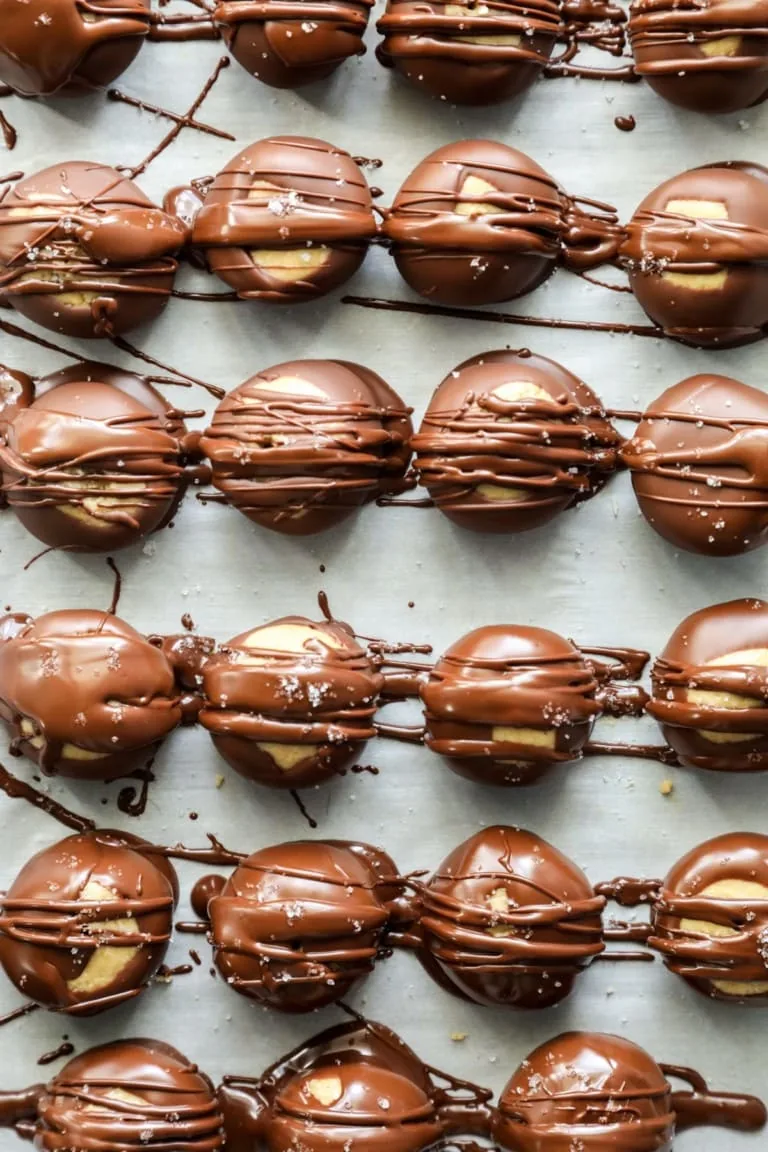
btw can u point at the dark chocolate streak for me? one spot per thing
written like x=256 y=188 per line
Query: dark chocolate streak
x=411 y=306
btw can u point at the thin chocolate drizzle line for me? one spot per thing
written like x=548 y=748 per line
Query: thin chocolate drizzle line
x=179 y=379
x=217 y=855
x=10 y=135
x=635 y=955
x=738 y=954
x=112 y=610
x=218 y=297
x=17 y=1013
x=185 y=379
x=165 y=973
x=165 y=29
x=302 y=808
x=193 y=927
x=45 y=552
x=185 y=121
x=66 y=1048
x=626 y=930
x=19 y=790
x=604 y=283
x=703 y=1106
x=629 y=891
x=411 y=306
x=659 y=752
x=118 y=97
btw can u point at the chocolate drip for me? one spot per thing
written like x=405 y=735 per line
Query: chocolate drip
x=182 y=28
x=625 y=123
x=133 y=801
x=302 y=808
x=701 y=1107
x=629 y=892
x=8 y=1018
x=17 y=789
x=185 y=378
x=659 y=752
x=10 y=135
x=410 y=306
x=66 y=1048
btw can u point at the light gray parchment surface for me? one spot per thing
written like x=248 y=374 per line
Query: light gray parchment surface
x=599 y=575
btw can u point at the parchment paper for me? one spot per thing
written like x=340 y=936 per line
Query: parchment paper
x=599 y=574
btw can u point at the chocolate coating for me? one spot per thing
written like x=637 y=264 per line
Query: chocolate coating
x=354 y=1086
x=472 y=53
x=710 y=688
x=696 y=251
x=87 y=922
x=297 y=925
x=506 y=701
x=124 y=1096
x=509 y=920
x=289 y=219
x=95 y=461
x=49 y=46
x=478 y=222
x=84 y=252
x=709 y=56
x=299 y=447
x=602 y=1091
x=290 y=704
x=83 y=694
x=699 y=462
x=510 y=440
x=290 y=43
x=711 y=921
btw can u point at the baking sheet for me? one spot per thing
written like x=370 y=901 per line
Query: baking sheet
x=599 y=574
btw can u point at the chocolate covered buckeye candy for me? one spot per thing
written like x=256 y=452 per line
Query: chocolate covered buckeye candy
x=708 y=56
x=297 y=925
x=477 y=223
x=95 y=461
x=510 y=440
x=710 y=688
x=83 y=694
x=472 y=53
x=87 y=922
x=289 y=219
x=699 y=462
x=697 y=254
x=592 y=1091
x=290 y=43
x=356 y=1086
x=299 y=447
x=505 y=702
x=507 y=919
x=291 y=703
x=711 y=920
x=49 y=46
x=129 y=1094
x=84 y=252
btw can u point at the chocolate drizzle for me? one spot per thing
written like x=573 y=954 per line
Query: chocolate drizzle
x=709 y=57
x=17 y=789
x=288 y=219
x=87 y=922
x=291 y=703
x=298 y=447
x=506 y=919
x=509 y=440
x=126 y=1095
